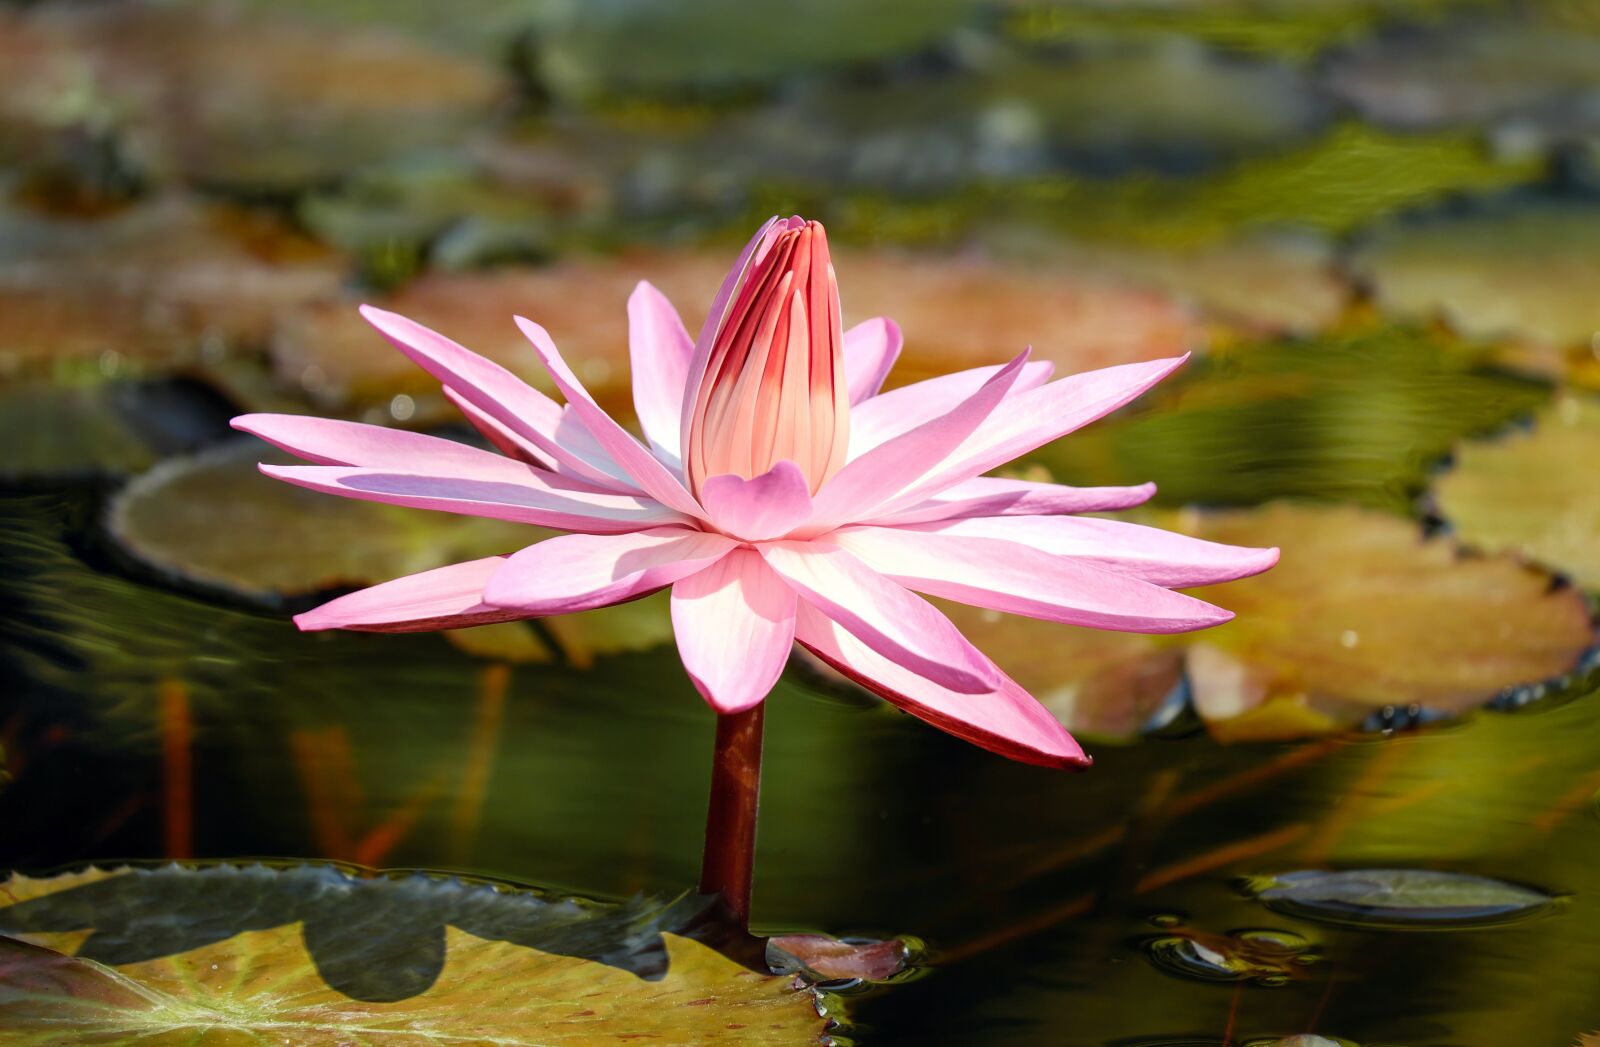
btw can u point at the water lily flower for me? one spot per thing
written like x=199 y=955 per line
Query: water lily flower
x=785 y=498
x=782 y=496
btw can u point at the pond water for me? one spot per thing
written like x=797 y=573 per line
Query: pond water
x=1365 y=813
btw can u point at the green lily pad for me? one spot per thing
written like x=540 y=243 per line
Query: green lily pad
x=306 y=953
x=51 y=429
x=1472 y=72
x=1532 y=492
x=1399 y=898
x=1524 y=268
x=1181 y=109
x=214 y=519
x=621 y=47
x=1359 y=417
x=1363 y=612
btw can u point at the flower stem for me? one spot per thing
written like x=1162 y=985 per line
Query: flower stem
x=731 y=818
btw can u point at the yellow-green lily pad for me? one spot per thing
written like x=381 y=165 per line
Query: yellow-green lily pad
x=310 y=954
x=1532 y=492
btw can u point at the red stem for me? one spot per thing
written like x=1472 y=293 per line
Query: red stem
x=731 y=819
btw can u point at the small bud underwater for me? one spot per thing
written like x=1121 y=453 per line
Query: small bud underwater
x=784 y=500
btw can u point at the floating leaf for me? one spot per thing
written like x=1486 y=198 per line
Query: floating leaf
x=1279 y=284
x=628 y=46
x=1399 y=898
x=210 y=93
x=1471 y=72
x=161 y=284
x=310 y=953
x=1524 y=267
x=185 y=516
x=1363 y=612
x=1103 y=685
x=1532 y=491
x=954 y=313
x=1358 y=417
x=1263 y=956
x=1181 y=109
x=54 y=430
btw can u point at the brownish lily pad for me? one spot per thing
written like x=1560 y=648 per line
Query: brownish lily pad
x=1364 y=612
x=165 y=283
x=1532 y=492
x=1523 y=269
x=186 y=518
x=317 y=956
x=1105 y=686
x=207 y=92
x=955 y=313
x=1276 y=284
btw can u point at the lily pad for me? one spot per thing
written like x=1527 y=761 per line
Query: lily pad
x=1358 y=417
x=1363 y=612
x=1523 y=268
x=1532 y=491
x=185 y=517
x=622 y=47
x=1181 y=109
x=1400 y=898
x=167 y=283
x=164 y=955
x=52 y=429
x=955 y=313
x=1471 y=72
x=208 y=93
x=1103 y=686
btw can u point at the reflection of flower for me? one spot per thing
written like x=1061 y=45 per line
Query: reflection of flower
x=782 y=497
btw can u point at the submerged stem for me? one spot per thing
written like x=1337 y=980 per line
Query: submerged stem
x=731 y=818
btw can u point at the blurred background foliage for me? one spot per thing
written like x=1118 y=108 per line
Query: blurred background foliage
x=1377 y=224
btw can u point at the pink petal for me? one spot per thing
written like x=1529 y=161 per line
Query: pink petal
x=1017 y=579
x=495 y=391
x=328 y=441
x=1036 y=417
x=770 y=506
x=895 y=623
x=735 y=627
x=578 y=572
x=876 y=477
x=646 y=470
x=1147 y=553
x=444 y=598
x=719 y=309
x=1006 y=720
x=995 y=496
x=870 y=350
x=660 y=350
x=546 y=501
x=887 y=415
x=505 y=441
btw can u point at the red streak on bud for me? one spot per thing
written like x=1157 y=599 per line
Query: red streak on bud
x=774 y=386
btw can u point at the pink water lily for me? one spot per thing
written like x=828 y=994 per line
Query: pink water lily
x=781 y=495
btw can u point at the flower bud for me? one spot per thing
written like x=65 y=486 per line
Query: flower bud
x=774 y=385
